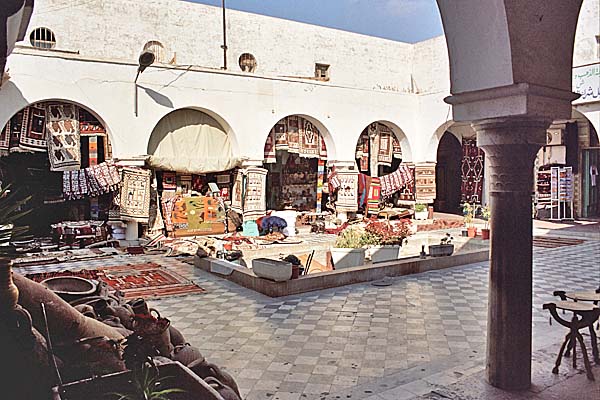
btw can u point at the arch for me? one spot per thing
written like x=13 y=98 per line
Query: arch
x=190 y=140
x=29 y=102
x=407 y=155
x=323 y=130
x=458 y=129
x=222 y=122
x=102 y=121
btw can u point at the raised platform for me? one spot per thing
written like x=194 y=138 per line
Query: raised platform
x=245 y=277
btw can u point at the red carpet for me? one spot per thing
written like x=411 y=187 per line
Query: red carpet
x=139 y=280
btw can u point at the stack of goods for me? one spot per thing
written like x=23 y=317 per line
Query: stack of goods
x=92 y=181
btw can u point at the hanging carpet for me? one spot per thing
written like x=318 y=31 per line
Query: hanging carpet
x=385 y=152
x=347 y=194
x=472 y=172
x=374 y=196
x=63 y=139
x=395 y=181
x=134 y=202
x=92 y=181
x=33 y=130
x=255 y=193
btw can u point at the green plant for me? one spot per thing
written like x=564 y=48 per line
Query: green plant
x=485 y=215
x=468 y=214
x=446 y=239
x=354 y=237
x=10 y=211
x=387 y=233
x=419 y=207
x=147 y=385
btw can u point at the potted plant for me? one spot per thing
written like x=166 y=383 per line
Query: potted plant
x=485 y=215
x=388 y=239
x=348 y=249
x=445 y=248
x=469 y=215
x=421 y=212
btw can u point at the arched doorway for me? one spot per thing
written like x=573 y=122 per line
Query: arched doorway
x=192 y=155
x=295 y=155
x=448 y=175
x=382 y=151
x=53 y=151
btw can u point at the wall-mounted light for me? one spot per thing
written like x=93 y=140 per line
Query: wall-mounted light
x=145 y=60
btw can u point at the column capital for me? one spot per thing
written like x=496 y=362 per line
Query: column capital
x=511 y=145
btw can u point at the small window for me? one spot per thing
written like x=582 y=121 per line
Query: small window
x=322 y=72
x=42 y=38
x=247 y=62
x=157 y=48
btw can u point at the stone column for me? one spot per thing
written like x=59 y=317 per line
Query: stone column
x=511 y=145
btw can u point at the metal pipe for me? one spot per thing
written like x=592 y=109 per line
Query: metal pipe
x=224 y=46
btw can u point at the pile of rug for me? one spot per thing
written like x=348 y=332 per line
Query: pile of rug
x=92 y=181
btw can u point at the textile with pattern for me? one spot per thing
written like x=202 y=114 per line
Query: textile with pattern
x=347 y=194
x=255 y=193
x=63 y=139
x=385 y=153
x=135 y=194
x=472 y=169
x=374 y=196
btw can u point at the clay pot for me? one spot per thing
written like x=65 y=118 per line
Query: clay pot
x=139 y=306
x=225 y=391
x=187 y=354
x=204 y=369
x=471 y=232
x=177 y=338
x=125 y=314
x=155 y=332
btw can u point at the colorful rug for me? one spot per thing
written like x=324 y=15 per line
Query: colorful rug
x=395 y=181
x=373 y=196
x=139 y=280
x=425 y=189
x=385 y=152
x=554 y=242
x=309 y=140
x=255 y=193
x=64 y=149
x=472 y=172
x=347 y=194
x=270 y=155
x=33 y=131
x=134 y=201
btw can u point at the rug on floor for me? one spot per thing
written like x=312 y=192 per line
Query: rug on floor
x=549 y=242
x=136 y=280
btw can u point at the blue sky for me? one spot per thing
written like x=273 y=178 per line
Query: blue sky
x=402 y=20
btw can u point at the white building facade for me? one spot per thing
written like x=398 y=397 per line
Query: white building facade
x=342 y=82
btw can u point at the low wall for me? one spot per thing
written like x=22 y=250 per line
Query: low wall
x=348 y=276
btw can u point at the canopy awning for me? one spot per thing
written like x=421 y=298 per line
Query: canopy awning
x=192 y=142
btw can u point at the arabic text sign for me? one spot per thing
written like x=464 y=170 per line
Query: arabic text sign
x=586 y=82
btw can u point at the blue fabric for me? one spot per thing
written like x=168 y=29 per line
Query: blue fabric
x=269 y=222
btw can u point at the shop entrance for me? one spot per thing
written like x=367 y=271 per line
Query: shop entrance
x=42 y=143
x=295 y=157
x=384 y=180
x=448 y=175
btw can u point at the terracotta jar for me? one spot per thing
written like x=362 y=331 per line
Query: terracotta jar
x=155 y=331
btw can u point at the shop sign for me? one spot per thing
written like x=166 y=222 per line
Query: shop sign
x=586 y=82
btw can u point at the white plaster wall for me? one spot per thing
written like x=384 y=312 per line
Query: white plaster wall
x=247 y=106
x=588 y=26
x=118 y=29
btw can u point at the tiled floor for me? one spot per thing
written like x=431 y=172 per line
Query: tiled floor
x=392 y=342
x=424 y=329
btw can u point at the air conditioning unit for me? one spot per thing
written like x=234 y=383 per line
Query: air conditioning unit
x=554 y=137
